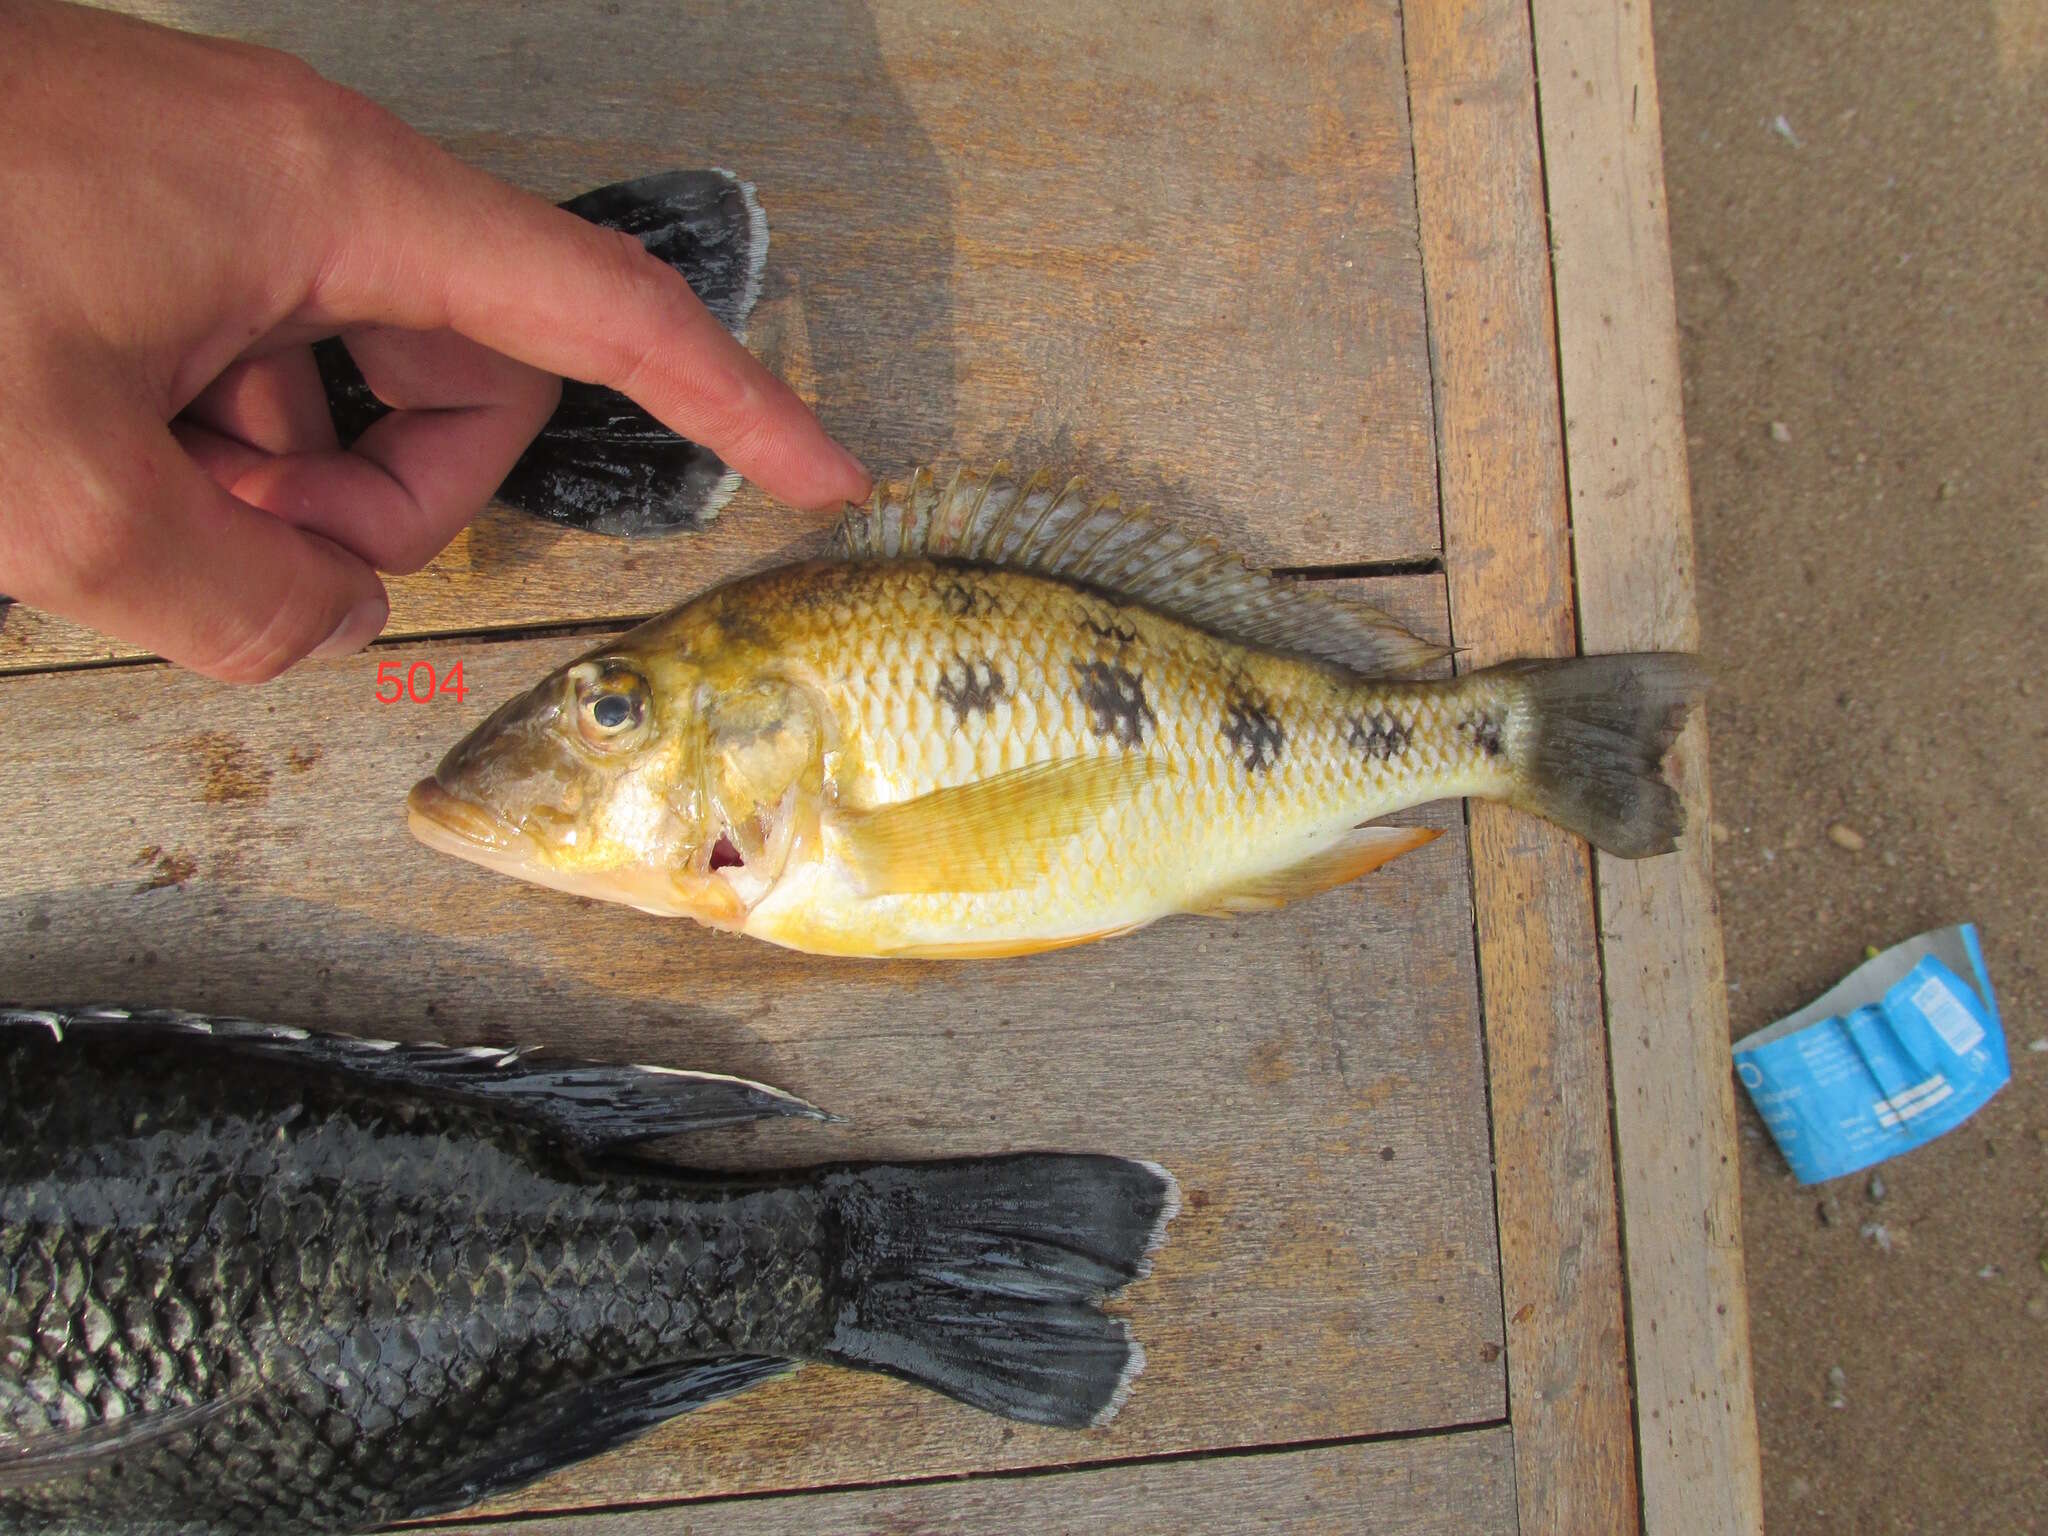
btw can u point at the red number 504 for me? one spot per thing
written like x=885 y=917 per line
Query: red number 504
x=418 y=683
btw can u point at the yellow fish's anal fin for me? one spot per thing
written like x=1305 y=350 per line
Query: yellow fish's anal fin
x=1361 y=850
x=994 y=834
x=1005 y=949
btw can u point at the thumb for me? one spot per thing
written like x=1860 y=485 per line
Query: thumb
x=152 y=551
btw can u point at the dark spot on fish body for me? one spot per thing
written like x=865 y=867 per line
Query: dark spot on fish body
x=1121 y=634
x=1254 y=734
x=229 y=773
x=1484 y=731
x=1115 y=697
x=1379 y=736
x=961 y=599
x=741 y=627
x=971 y=687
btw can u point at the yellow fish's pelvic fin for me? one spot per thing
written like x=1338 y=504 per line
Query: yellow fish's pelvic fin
x=994 y=834
x=1054 y=527
x=1006 y=949
x=1362 y=850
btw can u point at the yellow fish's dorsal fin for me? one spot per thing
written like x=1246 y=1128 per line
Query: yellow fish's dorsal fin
x=1361 y=850
x=1054 y=527
x=995 y=834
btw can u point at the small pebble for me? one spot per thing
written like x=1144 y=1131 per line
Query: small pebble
x=1876 y=1188
x=1780 y=433
x=2038 y=1045
x=1988 y=1272
x=1720 y=832
x=1838 y=1387
x=1843 y=835
x=1876 y=1232
x=1947 y=491
x=1828 y=1211
x=1891 y=860
x=2037 y=1305
x=1784 y=131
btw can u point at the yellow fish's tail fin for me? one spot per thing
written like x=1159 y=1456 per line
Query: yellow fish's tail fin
x=1589 y=749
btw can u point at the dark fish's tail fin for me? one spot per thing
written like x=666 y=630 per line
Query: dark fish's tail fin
x=985 y=1279
x=1591 y=755
x=601 y=463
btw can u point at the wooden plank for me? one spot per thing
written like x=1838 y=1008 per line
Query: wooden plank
x=1171 y=248
x=1674 y=1110
x=1451 y=1485
x=1313 y=1077
x=1507 y=557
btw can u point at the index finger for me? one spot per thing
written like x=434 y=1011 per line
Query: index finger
x=422 y=241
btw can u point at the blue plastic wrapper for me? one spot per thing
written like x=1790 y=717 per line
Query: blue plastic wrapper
x=1900 y=1051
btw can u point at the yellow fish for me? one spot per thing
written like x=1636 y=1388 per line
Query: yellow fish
x=1010 y=717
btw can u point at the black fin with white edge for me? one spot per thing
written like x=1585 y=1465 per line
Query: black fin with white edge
x=984 y=1278
x=588 y=1420
x=590 y=1105
x=602 y=464
x=1055 y=527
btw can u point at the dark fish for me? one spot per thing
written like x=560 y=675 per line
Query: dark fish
x=601 y=463
x=263 y=1280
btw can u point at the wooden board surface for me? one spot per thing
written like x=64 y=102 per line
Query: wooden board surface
x=1674 y=1110
x=1507 y=556
x=1313 y=1077
x=1171 y=247
x=1449 y=1485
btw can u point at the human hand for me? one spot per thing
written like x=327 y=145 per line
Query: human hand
x=185 y=216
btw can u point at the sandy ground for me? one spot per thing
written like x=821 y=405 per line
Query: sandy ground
x=1859 y=203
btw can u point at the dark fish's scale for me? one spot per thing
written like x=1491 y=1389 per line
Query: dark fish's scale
x=391 y=1281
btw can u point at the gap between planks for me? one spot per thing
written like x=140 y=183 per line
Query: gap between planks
x=1367 y=570
x=459 y=1521
x=1674 y=1113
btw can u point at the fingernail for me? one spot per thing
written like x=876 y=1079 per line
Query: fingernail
x=364 y=623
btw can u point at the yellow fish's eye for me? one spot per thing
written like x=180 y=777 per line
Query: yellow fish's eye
x=611 y=707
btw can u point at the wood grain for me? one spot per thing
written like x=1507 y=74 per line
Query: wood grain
x=1313 y=1077
x=1447 y=1486
x=1674 y=1111
x=1170 y=247
x=1508 y=561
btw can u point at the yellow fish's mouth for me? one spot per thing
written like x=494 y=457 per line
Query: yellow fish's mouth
x=449 y=824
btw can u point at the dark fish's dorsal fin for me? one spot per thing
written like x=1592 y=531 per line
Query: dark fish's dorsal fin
x=1053 y=526
x=587 y=1104
x=588 y=1420
x=601 y=463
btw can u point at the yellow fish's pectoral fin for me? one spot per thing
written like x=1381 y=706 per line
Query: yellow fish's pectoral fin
x=1005 y=949
x=994 y=834
x=1361 y=850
